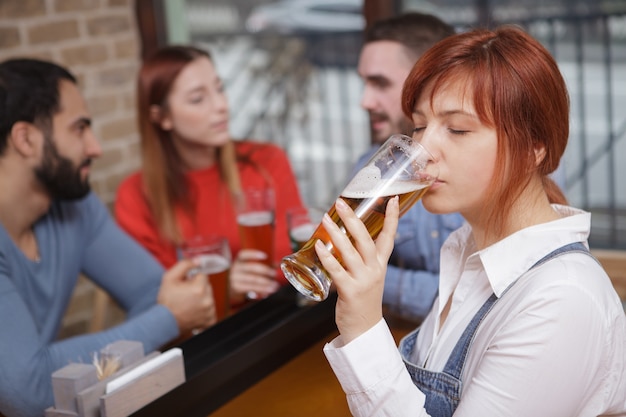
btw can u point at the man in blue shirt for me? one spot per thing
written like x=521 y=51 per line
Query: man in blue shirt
x=390 y=49
x=52 y=228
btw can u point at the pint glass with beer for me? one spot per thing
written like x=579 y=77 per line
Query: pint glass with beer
x=255 y=220
x=301 y=223
x=401 y=167
x=212 y=253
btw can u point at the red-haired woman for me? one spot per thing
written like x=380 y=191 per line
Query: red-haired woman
x=192 y=170
x=527 y=322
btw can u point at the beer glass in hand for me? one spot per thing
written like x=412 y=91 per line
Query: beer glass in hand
x=212 y=254
x=401 y=167
x=255 y=219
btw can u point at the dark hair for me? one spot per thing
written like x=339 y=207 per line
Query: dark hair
x=517 y=89
x=415 y=31
x=29 y=92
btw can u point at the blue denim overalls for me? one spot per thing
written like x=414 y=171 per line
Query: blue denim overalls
x=443 y=389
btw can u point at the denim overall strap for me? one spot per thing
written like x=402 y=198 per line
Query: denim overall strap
x=443 y=389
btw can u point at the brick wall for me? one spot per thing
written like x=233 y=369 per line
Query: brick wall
x=98 y=41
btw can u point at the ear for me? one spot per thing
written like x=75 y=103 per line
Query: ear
x=540 y=154
x=24 y=138
x=159 y=116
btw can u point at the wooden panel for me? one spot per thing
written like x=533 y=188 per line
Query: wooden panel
x=151 y=24
x=614 y=263
x=374 y=10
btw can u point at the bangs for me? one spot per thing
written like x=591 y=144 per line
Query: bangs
x=474 y=75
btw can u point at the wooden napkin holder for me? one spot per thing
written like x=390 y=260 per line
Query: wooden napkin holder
x=79 y=393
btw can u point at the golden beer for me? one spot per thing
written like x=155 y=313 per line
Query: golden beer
x=256 y=231
x=371 y=211
x=212 y=257
x=216 y=267
x=401 y=167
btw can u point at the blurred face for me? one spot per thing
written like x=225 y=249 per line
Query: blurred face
x=197 y=110
x=383 y=66
x=465 y=150
x=68 y=148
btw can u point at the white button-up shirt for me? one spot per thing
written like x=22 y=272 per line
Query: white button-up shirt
x=555 y=345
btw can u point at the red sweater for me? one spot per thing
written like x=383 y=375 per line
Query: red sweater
x=213 y=210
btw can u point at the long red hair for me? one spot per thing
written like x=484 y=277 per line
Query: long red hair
x=163 y=171
x=518 y=90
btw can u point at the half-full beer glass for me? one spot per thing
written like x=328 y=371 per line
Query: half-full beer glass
x=401 y=167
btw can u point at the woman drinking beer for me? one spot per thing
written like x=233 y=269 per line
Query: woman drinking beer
x=193 y=172
x=527 y=322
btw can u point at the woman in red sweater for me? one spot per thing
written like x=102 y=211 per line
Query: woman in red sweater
x=192 y=170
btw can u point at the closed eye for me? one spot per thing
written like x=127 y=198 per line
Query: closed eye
x=458 y=132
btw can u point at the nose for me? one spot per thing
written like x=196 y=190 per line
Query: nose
x=368 y=101
x=93 y=148
x=220 y=102
x=428 y=139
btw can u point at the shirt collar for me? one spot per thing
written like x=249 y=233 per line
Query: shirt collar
x=508 y=259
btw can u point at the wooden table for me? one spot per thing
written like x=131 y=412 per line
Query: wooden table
x=266 y=360
x=305 y=386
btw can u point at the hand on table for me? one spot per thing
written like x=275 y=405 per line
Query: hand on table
x=361 y=282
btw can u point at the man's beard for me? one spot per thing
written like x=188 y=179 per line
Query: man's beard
x=59 y=176
x=403 y=126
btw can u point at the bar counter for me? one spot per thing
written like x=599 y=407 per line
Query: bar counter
x=304 y=387
x=225 y=360
x=266 y=360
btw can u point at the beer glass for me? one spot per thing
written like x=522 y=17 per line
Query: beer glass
x=301 y=223
x=212 y=252
x=255 y=219
x=402 y=167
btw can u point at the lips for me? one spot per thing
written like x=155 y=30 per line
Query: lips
x=436 y=185
x=219 y=126
x=378 y=120
x=377 y=117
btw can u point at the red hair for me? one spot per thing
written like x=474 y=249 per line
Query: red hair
x=163 y=171
x=518 y=90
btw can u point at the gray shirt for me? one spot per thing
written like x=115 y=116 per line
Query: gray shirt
x=73 y=238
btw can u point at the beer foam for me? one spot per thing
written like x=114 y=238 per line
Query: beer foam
x=211 y=263
x=255 y=218
x=303 y=232
x=368 y=183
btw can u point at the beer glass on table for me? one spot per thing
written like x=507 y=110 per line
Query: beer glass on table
x=301 y=223
x=255 y=219
x=401 y=167
x=213 y=256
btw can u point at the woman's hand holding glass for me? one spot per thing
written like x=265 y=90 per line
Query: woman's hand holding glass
x=360 y=283
x=401 y=167
x=251 y=277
